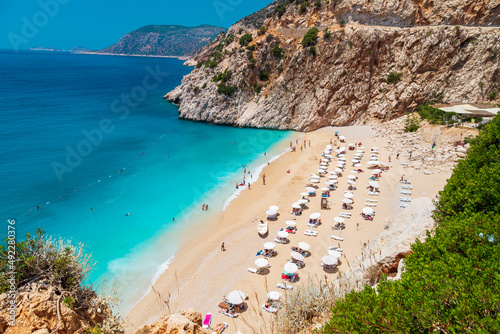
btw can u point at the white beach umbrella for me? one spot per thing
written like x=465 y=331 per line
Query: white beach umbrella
x=373 y=158
x=270 y=212
x=334 y=253
x=348 y=195
x=269 y=245
x=304 y=246
x=325 y=160
x=315 y=176
x=346 y=200
x=274 y=208
x=323 y=164
x=381 y=163
x=338 y=170
x=333 y=177
x=367 y=211
x=315 y=181
x=352 y=177
x=342 y=157
x=329 y=260
x=374 y=184
x=311 y=190
x=304 y=194
x=329 y=146
x=376 y=171
x=351 y=182
x=331 y=182
x=343 y=148
x=261 y=263
x=374 y=148
x=315 y=215
x=372 y=163
x=303 y=201
x=342 y=137
x=339 y=219
x=328 y=155
x=357 y=165
x=339 y=151
x=290 y=223
x=355 y=161
x=325 y=189
x=296 y=205
x=297 y=256
x=236 y=297
x=360 y=151
x=274 y=295
x=291 y=268
x=341 y=162
x=282 y=234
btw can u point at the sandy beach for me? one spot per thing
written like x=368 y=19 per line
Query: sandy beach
x=201 y=274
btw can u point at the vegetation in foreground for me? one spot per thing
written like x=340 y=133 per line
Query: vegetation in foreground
x=452 y=281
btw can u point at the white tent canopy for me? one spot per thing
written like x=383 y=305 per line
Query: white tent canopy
x=282 y=234
x=290 y=223
x=236 y=297
x=315 y=215
x=374 y=184
x=347 y=201
x=297 y=256
x=274 y=208
x=329 y=260
x=274 y=295
x=367 y=211
x=291 y=268
x=339 y=219
x=304 y=246
x=261 y=263
x=269 y=245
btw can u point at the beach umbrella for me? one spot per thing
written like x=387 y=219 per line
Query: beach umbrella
x=325 y=160
x=336 y=132
x=315 y=176
x=355 y=161
x=311 y=190
x=360 y=151
x=351 y=182
x=331 y=182
x=296 y=205
x=290 y=223
x=347 y=201
x=303 y=201
x=328 y=155
x=334 y=253
x=236 y=297
x=338 y=170
x=376 y=171
x=274 y=208
x=261 y=263
x=325 y=189
x=269 y=245
x=381 y=163
x=341 y=162
x=315 y=181
x=352 y=177
x=270 y=212
x=374 y=148
x=372 y=163
x=342 y=137
x=339 y=219
x=291 y=268
x=342 y=157
x=329 y=260
x=274 y=295
x=304 y=246
x=357 y=165
x=297 y=256
x=282 y=234
x=348 y=195
x=323 y=164
x=329 y=146
x=315 y=215
x=367 y=211
x=304 y=194
x=333 y=177
x=373 y=158
x=374 y=184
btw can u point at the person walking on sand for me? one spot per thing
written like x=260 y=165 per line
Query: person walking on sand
x=222 y=247
x=206 y=207
x=264 y=179
x=249 y=186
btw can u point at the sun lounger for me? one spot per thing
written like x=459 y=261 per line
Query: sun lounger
x=373 y=193
x=219 y=328
x=337 y=238
x=284 y=286
x=403 y=205
x=407 y=187
x=253 y=270
x=405 y=199
x=370 y=204
x=345 y=214
x=406 y=182
x=229 y=313
x=405 y=192
x=313 y=224
x=310 y=233
x=333 y=248
x=404 y=164
x=372 y=200
x=280 y=241
x=207 y=321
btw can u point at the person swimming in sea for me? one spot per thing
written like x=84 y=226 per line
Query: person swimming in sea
x=128 y=214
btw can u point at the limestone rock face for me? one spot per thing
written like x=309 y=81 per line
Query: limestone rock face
x=187 y=322
x=344 y=79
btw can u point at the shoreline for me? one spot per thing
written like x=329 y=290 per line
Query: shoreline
x=129 y=55
x=200 y=274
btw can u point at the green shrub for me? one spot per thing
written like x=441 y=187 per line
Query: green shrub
x=451 y=283
x=223 y=76
x=204 y=85
x=279 y=69
x=492 y=95
x=269 y=38
x=257 y=88
x=303 y=8
x=394 y=77
x=69 y=301
x=280 y=10
x=327 y=33
x=226 y=90
x=277 y=51
x=229 y=39
x=264 y=75
x=312 y=50
x=342 y=23
x=250 y=55
x=94 y=330
x=262 y=30
x=412 y=123
x=196 y=89
x=434 y=115
x=245 y=39
x=211 y=64
x=310 y=38
x=251 y=47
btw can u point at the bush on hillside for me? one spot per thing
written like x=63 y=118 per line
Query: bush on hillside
x=435 y=115
x=310 y=38
x=394 y=77
x=245 y=39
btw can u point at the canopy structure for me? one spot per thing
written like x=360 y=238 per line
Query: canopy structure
x=274 y=208
x=315 y=215
x=236 y=297
x=329 y=260
x=376 y=171
x=372 y=163
x=304 y=194
x=368 y=211
x=297 y=256
x=342 y=137
x=348 y=195
x=351 y=182
x=269 y=245
x=374 y=184
x=357 y=165
x=315 y=181
x=303 y=201
x=282 y=234
x=291 y=268
x=333 y=177
x=290 y=223
x=304 y=246
x=352 y=177
x=315 y=176
x=347 y=201
x=325 y=189
x=296 y=205
x=270 y=212
x=338 y=170
x=311 y=190
x=274 y=295
x=334 y=253
x=261 y=263
x=339 y=219
x=331 y=182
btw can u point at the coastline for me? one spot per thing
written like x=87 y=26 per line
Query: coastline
x=128 y=55
x=200 y=274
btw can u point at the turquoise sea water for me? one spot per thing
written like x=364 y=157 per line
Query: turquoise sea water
x=89 y=131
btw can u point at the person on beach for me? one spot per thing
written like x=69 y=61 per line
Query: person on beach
x=389 y=158
x=249 y=186
x=206 y=207
x=309 y=143
x=237 y=185
x=264 y=179
x=203 y=206
x=222 y=247
x=173 y=219
x=397 y=156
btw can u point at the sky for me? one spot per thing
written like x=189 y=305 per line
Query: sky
x=96 y=24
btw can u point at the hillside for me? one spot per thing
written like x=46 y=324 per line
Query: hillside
x=377 y=60
x=164 y=40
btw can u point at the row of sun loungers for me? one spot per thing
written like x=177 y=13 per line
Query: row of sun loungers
x=345 y=215
x=405 y=199
x=280 y=241
x=407 y=187
x=337 y=238
x=373 y=193
x=311 y=233
x=403 y=205
x=284 y=286
x=370 y=204
x=405 y=192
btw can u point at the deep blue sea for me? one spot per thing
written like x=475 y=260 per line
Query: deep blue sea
x=88 y=139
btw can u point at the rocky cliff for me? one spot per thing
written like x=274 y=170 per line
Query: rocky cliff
x=367 y=60
x=164 y=40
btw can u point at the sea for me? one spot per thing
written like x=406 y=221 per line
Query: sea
x=92 y=153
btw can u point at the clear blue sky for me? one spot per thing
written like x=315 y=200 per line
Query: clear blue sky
x=96 y=24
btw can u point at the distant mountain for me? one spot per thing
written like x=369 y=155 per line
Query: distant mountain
x=80 y=49
x=164 y=40
x=42 y=48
